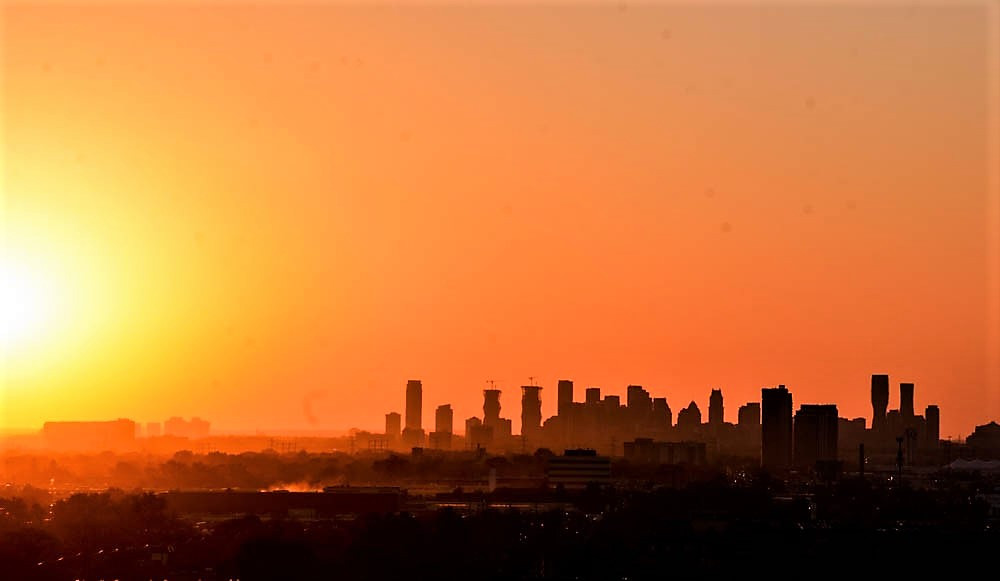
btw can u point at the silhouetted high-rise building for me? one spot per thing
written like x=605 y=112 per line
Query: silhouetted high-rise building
x=662 y=416
x=749 y=415
x=815 y=434
x=932 y=426
x=985 y=438
x=638 y=401
x=531 y=412
x=776 y=428
x=565 y=397
x=504 y=429
x=689 y=420
x=632 y=394
x=393 y=424
x=413 y=432
x=906 y=400
x=880 y=401
x=491 y=407
x=715 y=410
x=414 y=404
x=593 y=395
x=440 y=438
x=443 y=419
x=477 y=434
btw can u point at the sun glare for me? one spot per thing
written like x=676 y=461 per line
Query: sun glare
x=25 y=303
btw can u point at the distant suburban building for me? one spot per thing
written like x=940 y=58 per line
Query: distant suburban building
x=648 y=451
x=193 y=428
x=578 y=468
x=91 y=436
x=331 y=503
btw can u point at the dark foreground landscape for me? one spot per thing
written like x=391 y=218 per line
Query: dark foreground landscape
x=674 y=522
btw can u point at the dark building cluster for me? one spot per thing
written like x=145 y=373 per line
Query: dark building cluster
x=814 y=436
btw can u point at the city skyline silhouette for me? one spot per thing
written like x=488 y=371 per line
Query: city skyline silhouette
x=272 y=222
x=510 y=291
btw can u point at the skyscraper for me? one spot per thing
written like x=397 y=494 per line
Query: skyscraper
x=637 y=399
x=749 y=415
x=906 y=400
x=531 y=412
x=593 y=395
x=715 y=409
x=816 y=428
x=776 y=428
x=477 y=434
x=565 y=396
x=414 y=404
x=440 y=438
x=443 y=419
x=662 y=416
x=491 y=407
x=932 y=429
x=689 y=421
x=392 y=424
x=880 y=401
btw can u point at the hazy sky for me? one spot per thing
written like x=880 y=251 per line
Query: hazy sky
x=274 y=216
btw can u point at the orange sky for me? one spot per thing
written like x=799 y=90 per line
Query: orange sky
x=262 y=214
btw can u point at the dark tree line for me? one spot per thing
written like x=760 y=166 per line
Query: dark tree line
x=709 y=530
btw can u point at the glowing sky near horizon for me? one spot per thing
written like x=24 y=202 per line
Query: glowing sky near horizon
x=273 y=216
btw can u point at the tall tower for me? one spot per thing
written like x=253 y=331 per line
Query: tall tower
x=715 y=409
x=440 y=438
x=531 y=412
x=593 y=395
x=491 y=407
x=414 y=404
x=906 y=400
x=932 y=430
x=880 y=401
x=443 y=419
x=689 y=420
x=749 y=415
x=661 y=412
x=776 y=428
x=565 y=397
x=392 y=424
x=816 y=428
x=637 y=399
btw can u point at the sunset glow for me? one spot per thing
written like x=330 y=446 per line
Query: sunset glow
x=26 y=304
x=274 y=216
